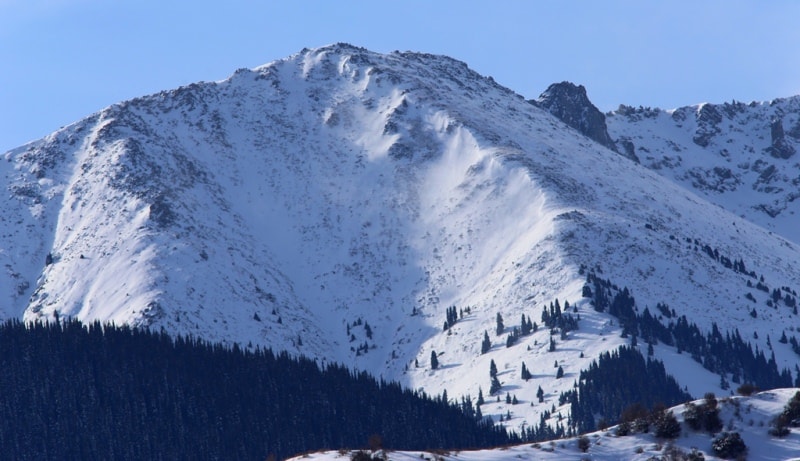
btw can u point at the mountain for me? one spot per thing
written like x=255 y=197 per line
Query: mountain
x=739 y=156
x=378 y=210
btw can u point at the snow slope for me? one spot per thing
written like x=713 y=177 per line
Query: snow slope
x=335 y=203
x=742 y=157
x=751 y=417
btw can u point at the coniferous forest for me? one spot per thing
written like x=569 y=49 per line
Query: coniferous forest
x=726 y=355
x=73 y=391
x=615 y=381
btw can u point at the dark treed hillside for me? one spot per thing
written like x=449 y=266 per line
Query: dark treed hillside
x=70 y=391
x=616 y=381
x=728 y=355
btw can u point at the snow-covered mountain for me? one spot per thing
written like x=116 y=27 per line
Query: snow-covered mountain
x=337 y=204
x=739 y=156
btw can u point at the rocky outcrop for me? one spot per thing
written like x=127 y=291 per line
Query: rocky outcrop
x=708 y=120
x=779 y=148
x=569 y=103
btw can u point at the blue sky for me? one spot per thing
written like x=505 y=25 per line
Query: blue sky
x=64 y=59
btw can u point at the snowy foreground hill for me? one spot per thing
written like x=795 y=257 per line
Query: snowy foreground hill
x=750 y=417
x=381 y=210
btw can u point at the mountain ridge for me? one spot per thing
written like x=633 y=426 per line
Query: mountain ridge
x=739 y=156
x=337 y=202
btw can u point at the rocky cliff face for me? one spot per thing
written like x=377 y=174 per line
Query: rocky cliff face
x=780 y=147
x=570 y=104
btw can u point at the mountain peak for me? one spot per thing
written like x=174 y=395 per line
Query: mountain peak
x=570 y=103
x=343 y=204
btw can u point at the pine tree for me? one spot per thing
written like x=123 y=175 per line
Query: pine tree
x=492 y=369
x=525 y=326
x=512 y=337
x=481 y=401
x=500 y=326
x=525 y=374
x=452 y=317
x=495 y=386
x=540 y=394
x=560 y=373
x=434 y=360
x=486 y=344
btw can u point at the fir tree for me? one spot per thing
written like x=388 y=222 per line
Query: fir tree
x=525 y=326
x=486 y=344
x=512 y=337
x=434 y=360
x=495 y=387
x=525 y=374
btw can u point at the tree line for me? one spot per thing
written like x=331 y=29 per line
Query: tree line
x=728 y=354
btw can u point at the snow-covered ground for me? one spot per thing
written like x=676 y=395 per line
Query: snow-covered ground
x=336 y=203
x=751 y=417
x=743 y=157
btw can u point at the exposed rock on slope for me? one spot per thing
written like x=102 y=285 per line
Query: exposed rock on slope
x=739 y=156
x=570 y=104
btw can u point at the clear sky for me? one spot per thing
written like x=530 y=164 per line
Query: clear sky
x=61 y=60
